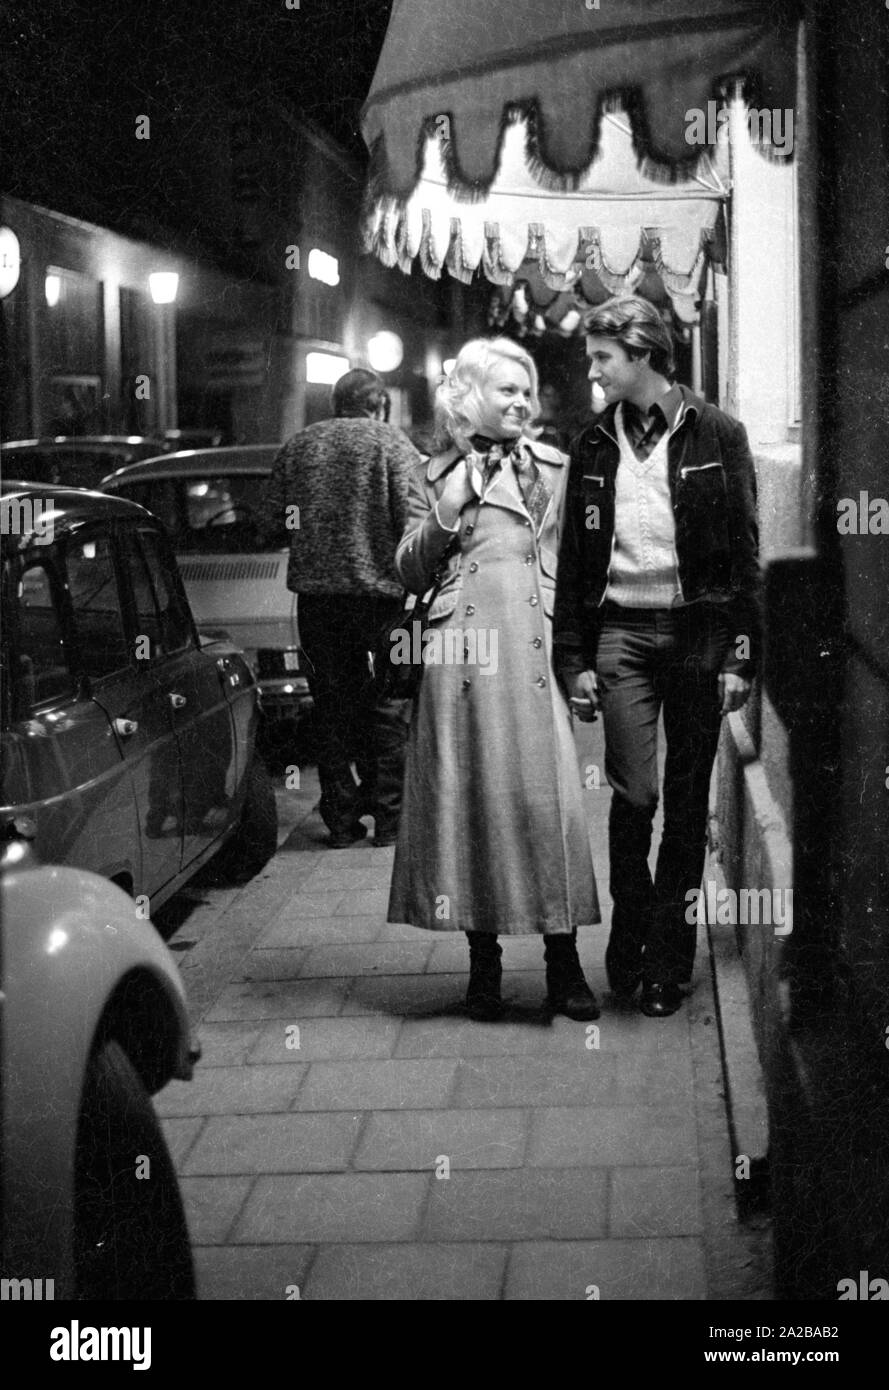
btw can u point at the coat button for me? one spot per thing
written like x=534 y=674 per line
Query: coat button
x=470 y=528
x=467 y=685
x=533 y=600
x=526 y=523
x=473 y=567
x=538 y=643
x=470 y=609
x=541 y=681
x=529 y=559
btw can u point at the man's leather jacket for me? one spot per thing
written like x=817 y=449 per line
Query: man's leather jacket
x=713 y=491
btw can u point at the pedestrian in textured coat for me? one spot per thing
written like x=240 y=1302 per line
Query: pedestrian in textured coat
x=657 y=611
x=344 y=481
x=493 y=838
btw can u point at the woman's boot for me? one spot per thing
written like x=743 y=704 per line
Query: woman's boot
x=566 y=988
x=483 y=1002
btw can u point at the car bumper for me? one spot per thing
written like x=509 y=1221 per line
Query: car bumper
x=284 y=699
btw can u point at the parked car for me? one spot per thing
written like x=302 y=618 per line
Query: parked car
x=192 y=438
x=73 y=460
x=128 y=742
x=94 y=1021
x=235 y=578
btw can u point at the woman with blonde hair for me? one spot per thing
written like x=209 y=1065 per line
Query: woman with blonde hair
x=492 y=838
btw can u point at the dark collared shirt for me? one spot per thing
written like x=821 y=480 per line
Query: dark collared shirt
x=644 y=428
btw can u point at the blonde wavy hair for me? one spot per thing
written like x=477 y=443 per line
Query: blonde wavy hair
x=458 y=398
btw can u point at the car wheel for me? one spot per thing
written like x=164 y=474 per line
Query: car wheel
x=130 y=1234
x=256 y=838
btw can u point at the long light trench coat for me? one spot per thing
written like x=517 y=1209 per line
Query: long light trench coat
x=492 y=835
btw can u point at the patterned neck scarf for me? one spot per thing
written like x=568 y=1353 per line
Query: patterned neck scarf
x=536 y=495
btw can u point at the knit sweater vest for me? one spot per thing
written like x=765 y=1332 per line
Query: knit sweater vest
x=644 y=569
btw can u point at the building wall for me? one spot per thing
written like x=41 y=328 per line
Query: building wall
x=810 y=790
x=760 y=354
x=266 y=191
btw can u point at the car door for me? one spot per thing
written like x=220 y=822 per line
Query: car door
x=64 y=777
x=190 y=683
x=137 y=711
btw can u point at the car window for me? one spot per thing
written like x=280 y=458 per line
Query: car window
x=157 y=495
x=219 y=513
x=95 y=599
x=83 y=467
x=40 y=669
x=29 y=466
x=160 y=608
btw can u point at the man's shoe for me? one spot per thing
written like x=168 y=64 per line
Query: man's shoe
x=385 y=834
x=567 y=991
x=659 y=1001
x=342 y=839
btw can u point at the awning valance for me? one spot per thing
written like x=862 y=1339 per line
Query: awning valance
x=613 y=219
x=461 y=67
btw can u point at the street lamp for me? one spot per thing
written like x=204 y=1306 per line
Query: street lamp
x=324 y=267
x=385 y=352
x=163 y=286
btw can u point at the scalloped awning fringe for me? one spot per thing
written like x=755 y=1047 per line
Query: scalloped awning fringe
x=461 y=70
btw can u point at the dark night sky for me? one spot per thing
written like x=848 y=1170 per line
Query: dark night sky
x=73 y=73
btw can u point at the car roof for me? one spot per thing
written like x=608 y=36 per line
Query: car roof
x=62 y=442
x=234 y=458
x=72 y=506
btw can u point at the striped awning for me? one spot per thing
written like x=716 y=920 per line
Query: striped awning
x=573 y=134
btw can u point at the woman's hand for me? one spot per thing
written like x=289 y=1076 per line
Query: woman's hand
x=734 y=692
x=456 y=493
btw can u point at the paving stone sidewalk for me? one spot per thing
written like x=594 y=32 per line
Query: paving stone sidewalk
x=351 y=1134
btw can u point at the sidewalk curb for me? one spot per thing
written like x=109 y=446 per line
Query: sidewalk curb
x=745 y=1097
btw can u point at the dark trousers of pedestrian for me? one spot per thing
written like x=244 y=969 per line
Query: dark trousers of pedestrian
x=648 y=661
x=336 y=632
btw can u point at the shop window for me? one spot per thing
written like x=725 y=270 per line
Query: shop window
x=73 y=353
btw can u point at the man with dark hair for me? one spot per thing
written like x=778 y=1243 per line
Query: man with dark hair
x=359 y=394
x=657 y=610
x=345 y=484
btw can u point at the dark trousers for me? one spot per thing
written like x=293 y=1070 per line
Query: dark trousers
x=336 y=632
x=650 y=660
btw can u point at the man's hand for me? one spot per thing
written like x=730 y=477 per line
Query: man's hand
x=583 y=687
x=734 y=692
